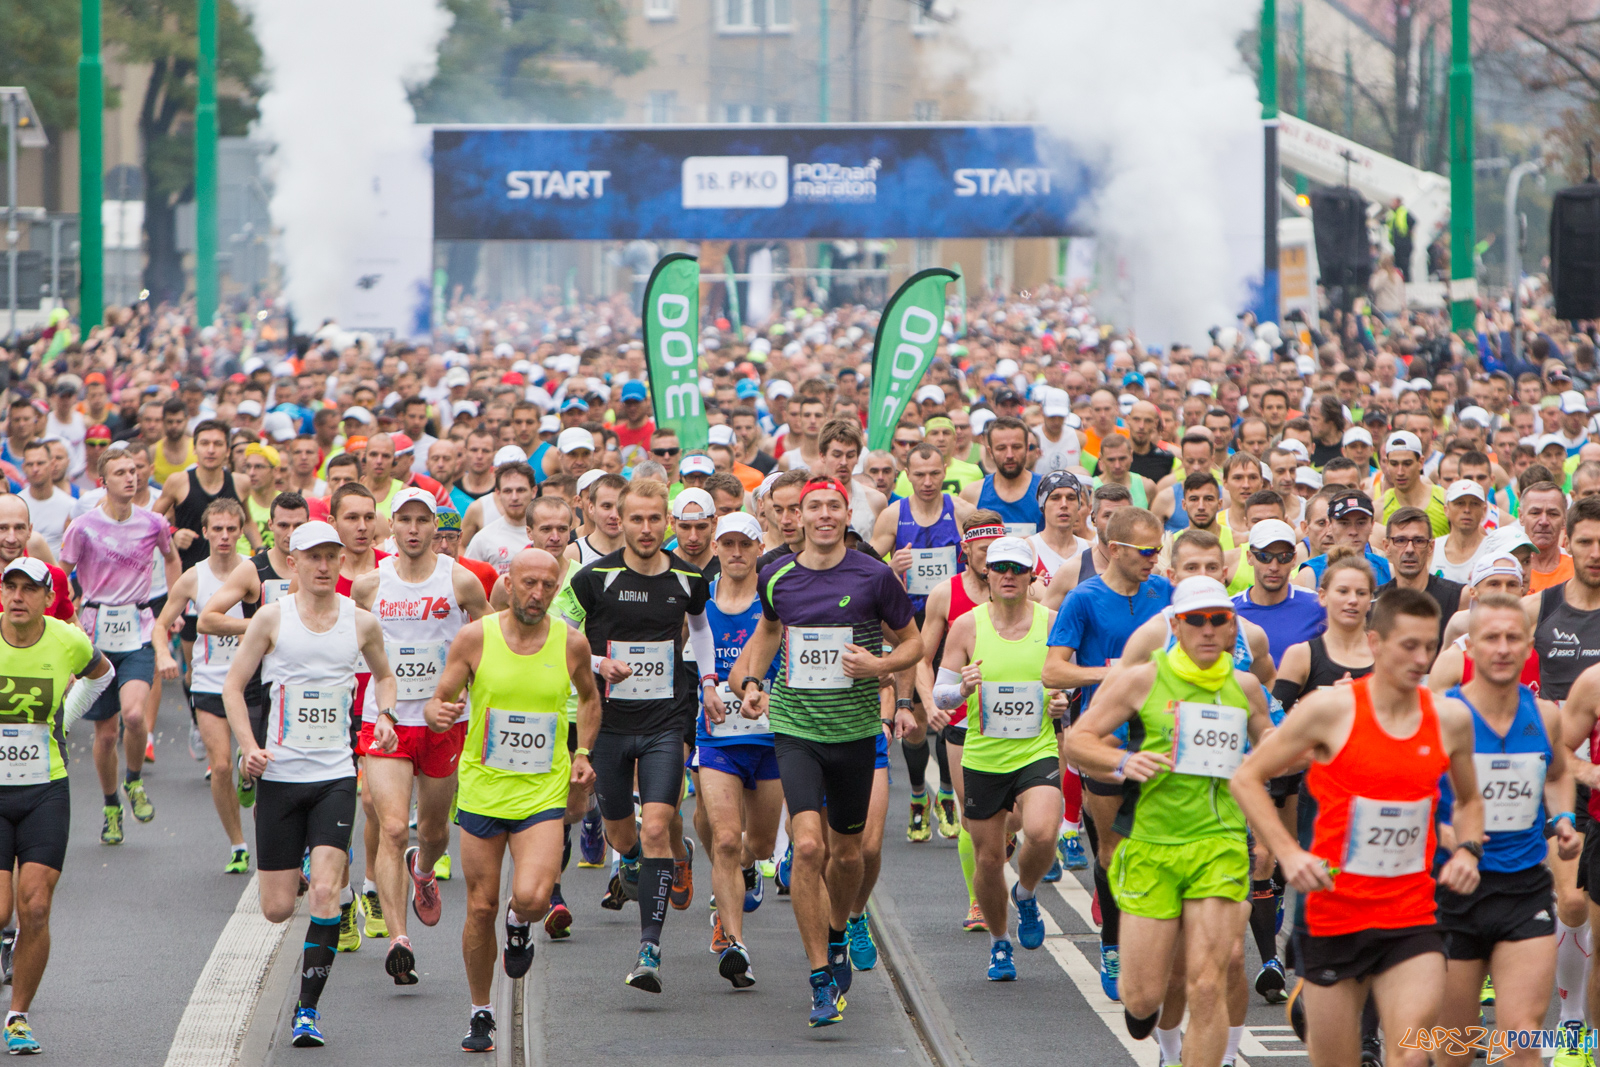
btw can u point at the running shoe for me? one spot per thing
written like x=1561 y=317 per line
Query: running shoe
x=143 y=810
x=305 y=874
x=1272 y=983
x=8 y=949
x=1069 y=849
x=350 y=927
x=240 y=863
x=1053 y=875
x=1094 y=909
x=1573 y=1050
x=149 y=750
x=480 y=1033
x=1486 y=994
x=646 y=974
x=1011 y=846
x=863 y=950
x=591 y=841
x=754 y=892
x=839 y=964
x=824 y=1000
x=377 y=925
x=558 y=920
x=768 y=868
x=734 y=965
x=1295 y=1010
x=615 y=897
x=1001 y=967
x=247 y=785
x=683 y=878
x=1110 y=970
x=917 y=829
x=518 y=956
x=780 y=877
x=1030 y=923
x=719 y=939
x=111 y=827
x=401 y=963
x=19 y=1038
x=441 y=868
x=629 y=869
x=945 y=810
x=1371 y=1052
x=197 y=744
x=305 y=1031
x=425 y=900
x=973 y=923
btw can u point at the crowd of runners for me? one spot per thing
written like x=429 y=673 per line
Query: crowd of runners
x=1286 y=638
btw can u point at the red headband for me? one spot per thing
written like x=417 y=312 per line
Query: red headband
x=820 y=484
x=982 y=533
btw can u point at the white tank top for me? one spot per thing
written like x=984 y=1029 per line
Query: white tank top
x=419 y=622
x=587 y=553
x=313 y=679
x=1455 y=572
x=1057 y=455
x=862 y=517
x=491 y=509
x=213 y=655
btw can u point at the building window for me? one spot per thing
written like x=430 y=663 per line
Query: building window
x=748 y=114
x=754 y=16
x=923 y=21
x=662 y=105
x=658 y=10
x=925 y=111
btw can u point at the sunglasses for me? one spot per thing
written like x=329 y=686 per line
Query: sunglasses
x=1008 y=567
x=1198 y=619
x=907 y=444
x=665 y=451
x=1147 y=553
x=1262 y=556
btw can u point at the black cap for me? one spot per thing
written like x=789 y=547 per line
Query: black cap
x=1351 y=503
x=1007 y=396
x=1057 y=480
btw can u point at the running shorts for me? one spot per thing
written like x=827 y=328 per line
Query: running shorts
x=835 y=777
x=136 y=666
x=880 y=760
x=1152 y=881
x=432 y=755
x=34 y=820
x=988 y=793
x=487 y=827
x=658 y=758
x=1506 y=906
x=294 y=816
x=751 y=764
x=1327 y=961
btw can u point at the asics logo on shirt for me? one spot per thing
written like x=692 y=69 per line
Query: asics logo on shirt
x=843 y=602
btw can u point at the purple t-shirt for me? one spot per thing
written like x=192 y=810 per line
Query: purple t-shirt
x=115 y=560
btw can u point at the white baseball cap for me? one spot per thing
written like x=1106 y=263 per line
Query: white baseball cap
x=465 y=407
x=1420 y=385
x=1572 y=403
x=1200 y=387
x=694 y=498
x=980 y=420
x=766 y=484
x=510 y=454
x=721 y=435
x=930 y=392
x=1476 y=415
x=251 y=409
x=1305 y=365
x=360 y=414
x=588 y=478
x=574 y=438
x=1307 y=476
x=1291 y=444
x=1268 y=532
x=696 y=465
x=311 y=534
x=1404 y=441
x=35 y=569
x=1200 y=592
x=1011 y=550
x=1464 y=487
x=1550 y=439
x=778 y=387
x=1056 y=408
x=1506 y=540
x=736 y=522
x=550 y=424
x=1491 y=564
x=456 y=377
x=412 y=493
x=1358 y=433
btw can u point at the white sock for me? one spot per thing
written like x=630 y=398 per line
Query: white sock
x=1572 y=969
x=1023 y=892
x=782 y=840
x=476 y=1008
x=993 y=938
x=1171 y=1042
x=514 y=919
x=1230 y=1052
x=346 y=896
x=369 y=886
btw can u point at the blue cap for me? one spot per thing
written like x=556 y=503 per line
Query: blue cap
x=574 y=403
x=634 y=391
x=1133 y=377
x=449 y=519
x=747 y=388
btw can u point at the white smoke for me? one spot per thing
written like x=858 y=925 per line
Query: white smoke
x=1154 y=94
x=337 y=110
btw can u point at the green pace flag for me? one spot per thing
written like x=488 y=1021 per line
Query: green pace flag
x=961 y=300
x=671 y=317
x=733 y=297
x=908 y=335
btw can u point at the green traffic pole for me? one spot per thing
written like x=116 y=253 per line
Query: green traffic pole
x=822 y=61
x=91 y=241
x=205 y=170
x=1463 y=277
x=1269 y=125
x=1300 y=184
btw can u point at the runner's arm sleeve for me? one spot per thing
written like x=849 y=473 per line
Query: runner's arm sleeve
x=1287 y=692
x=84 y=694
x=703 y=644
x=947 y=690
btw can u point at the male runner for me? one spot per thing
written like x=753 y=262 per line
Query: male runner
x=308 y=645
x=1012 y=490
x=502 y=537
x=421 y=600
x=1113 y=468
x=601 y=533
x=694 y=518
x=40 y=655
x=1184 y=854
x=1288 y=613
x=634 y=602
x=827 y=608
x=993 y=657
x=113 y=548
x=1060 y=497
x=1378 y=748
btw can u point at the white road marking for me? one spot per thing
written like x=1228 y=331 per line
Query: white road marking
x=228 y=988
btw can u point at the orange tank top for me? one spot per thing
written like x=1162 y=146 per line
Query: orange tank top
x=1375 y=811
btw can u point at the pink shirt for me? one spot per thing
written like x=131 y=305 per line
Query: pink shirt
x=114 y=560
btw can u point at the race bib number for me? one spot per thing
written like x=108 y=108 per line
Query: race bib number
x=520 y=741
x=1011 y=709
x=219 y=650
x=1021 y=529
x=274 y=590
x=929 y=567
x=652 y=663
x=416 y=668
x=1208 y=739
x=1513 y=786
x=816 y=657
x=116 y=628
x=735 y=725
x=314 y=718
x=1387 y=838
x=24 y=753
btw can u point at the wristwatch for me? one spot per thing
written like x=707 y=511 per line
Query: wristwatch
x=709 y=679
x=1474 y=847
x=1550 y=823
x=389 y=712
x=745 y=683
x=582 y=752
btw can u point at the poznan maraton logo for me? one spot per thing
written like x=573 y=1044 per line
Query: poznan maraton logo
x=834 y=181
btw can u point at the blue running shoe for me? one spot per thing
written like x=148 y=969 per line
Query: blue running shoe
x=1053 y=875
x=863 y=950
x=306 y=1034
x=824 y=1000
x=591 y=840
x=785 y=866
x=754 y=891
x=1030 y=924
x=1001 y=969
x=646 y=974
x=628 y=872
x=1272 y=983
x=839 y=964
x=1110 y=969
x=1069 y=849
x=19 y=1038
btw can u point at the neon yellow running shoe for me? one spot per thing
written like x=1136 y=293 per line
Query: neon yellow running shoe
x=349 y=927
x=111 y=828
x=441 y=868
x=143 y=810
x=376 y=926
x=240 y=863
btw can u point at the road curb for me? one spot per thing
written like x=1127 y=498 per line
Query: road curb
x=915 y=986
